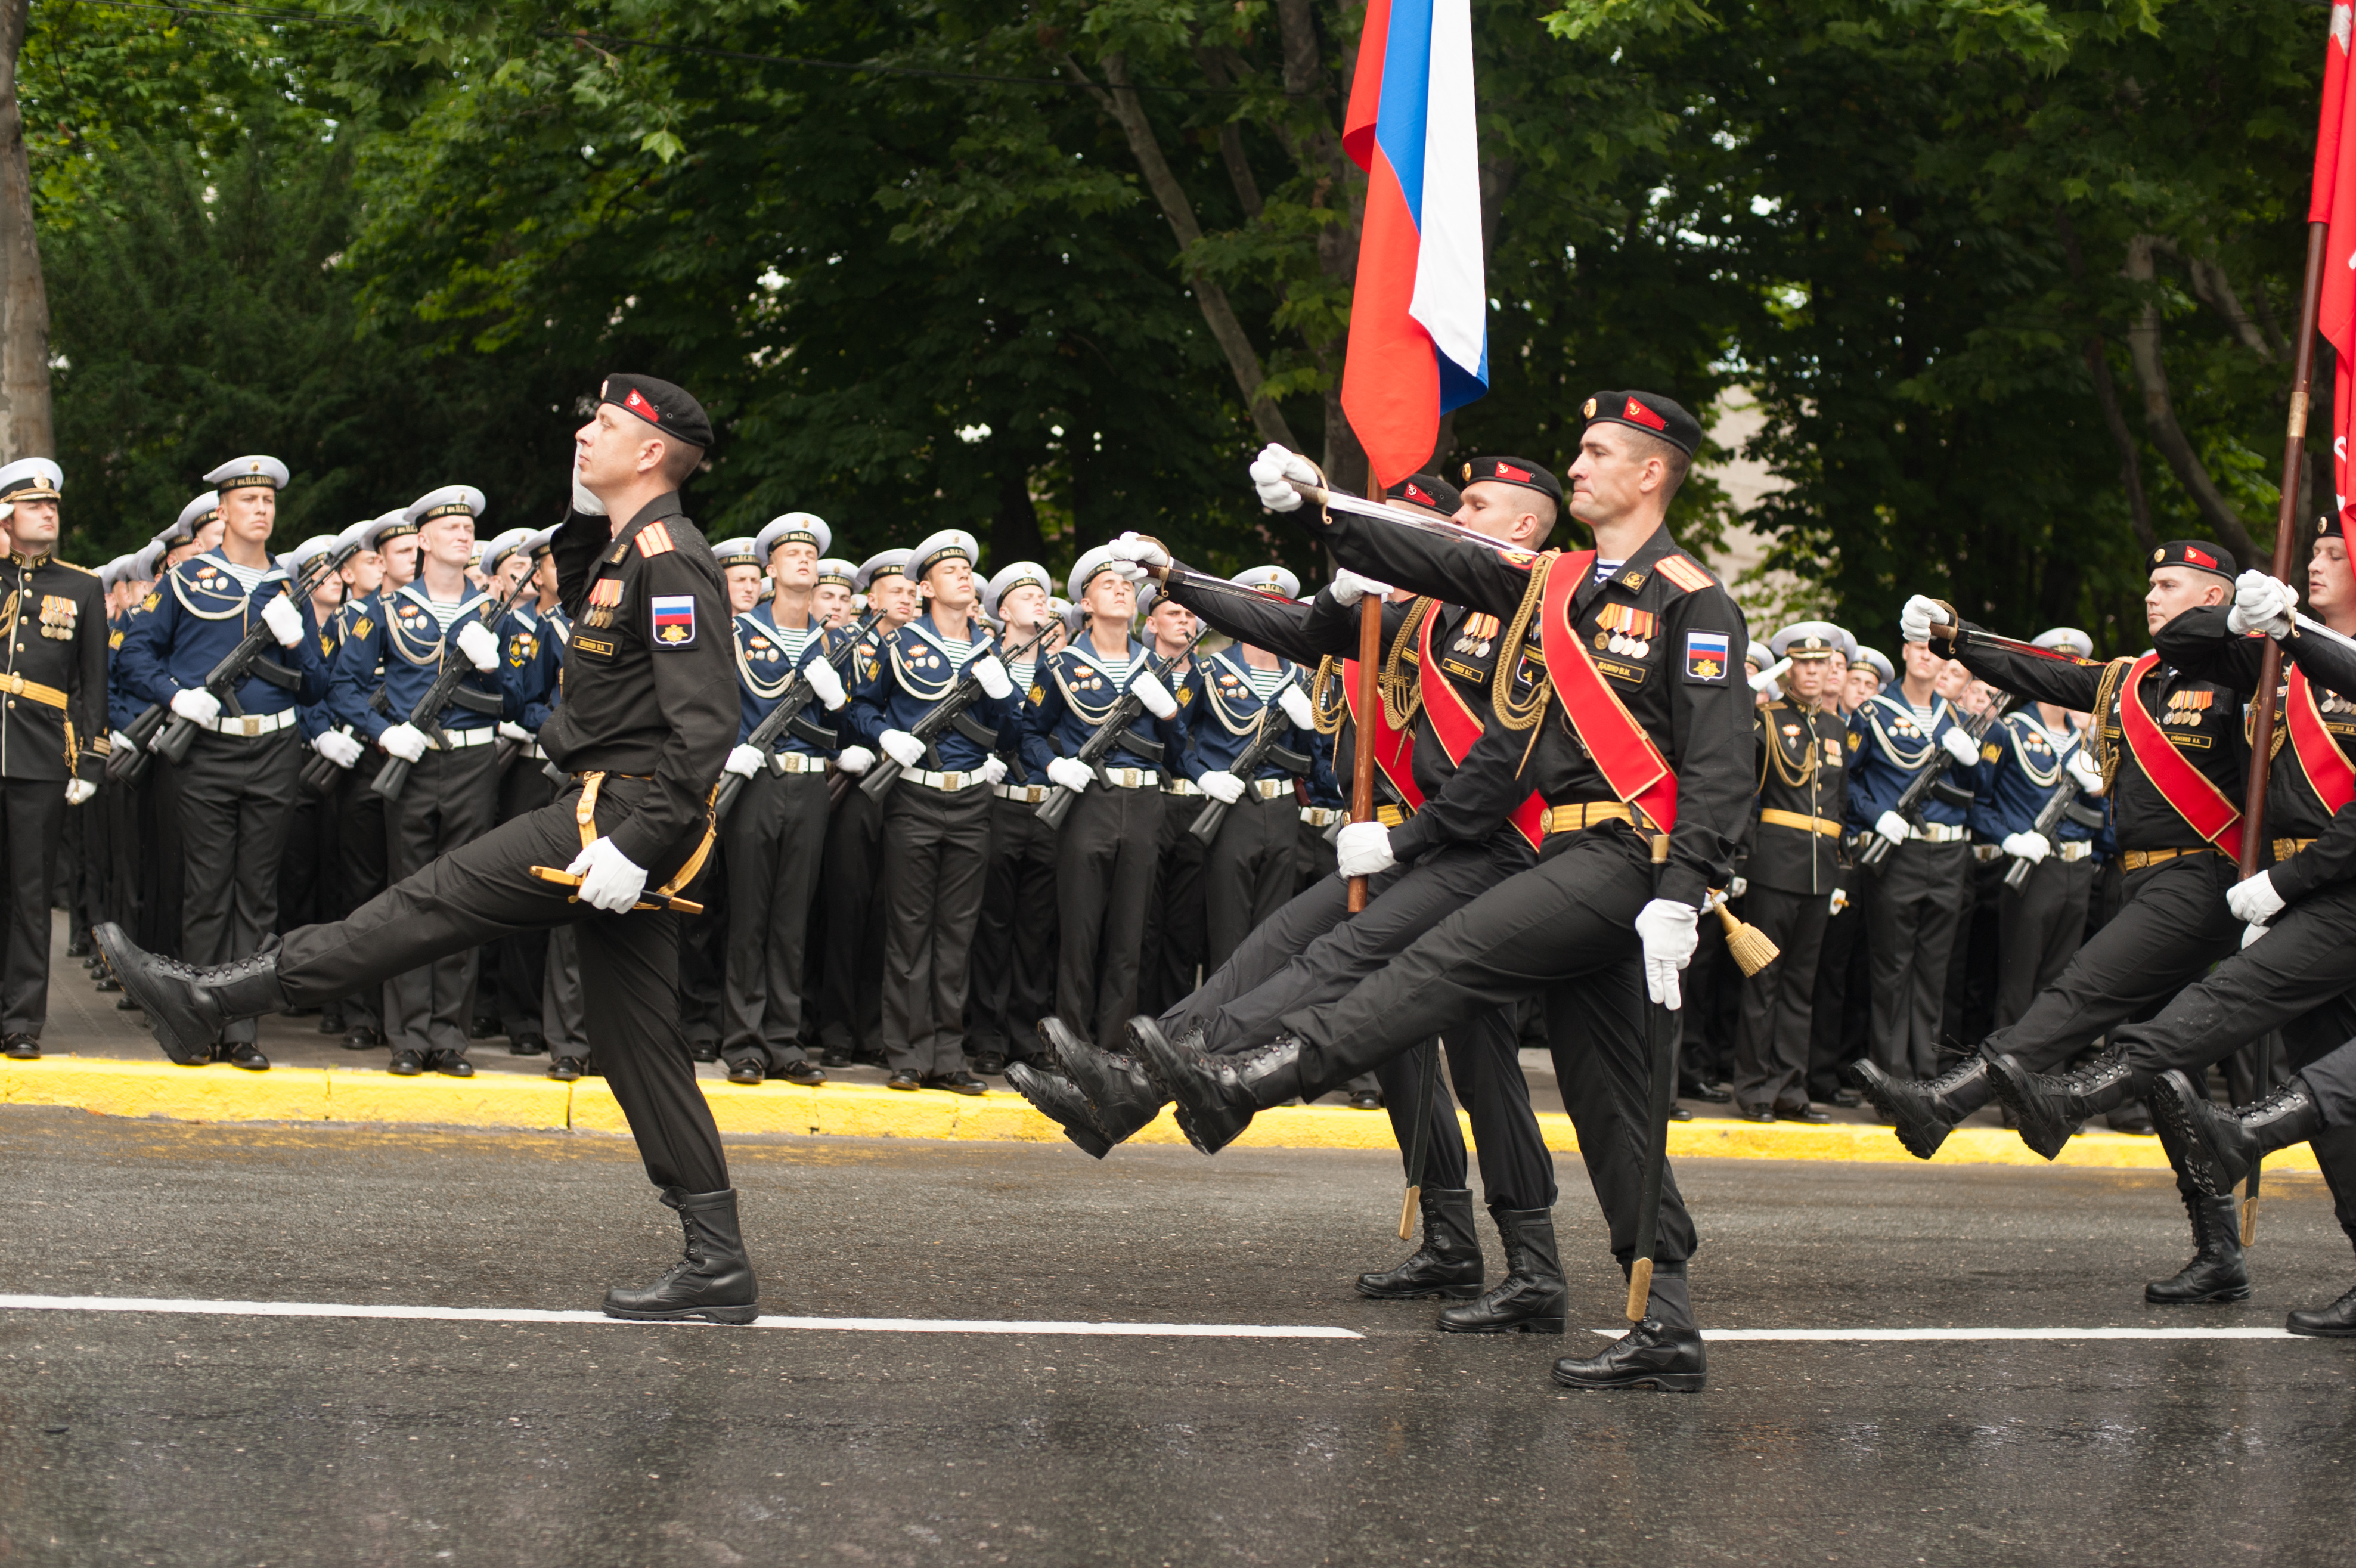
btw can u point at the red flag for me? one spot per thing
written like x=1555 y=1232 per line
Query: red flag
x=2334 y=202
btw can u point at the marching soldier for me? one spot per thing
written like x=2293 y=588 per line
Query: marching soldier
x=513 y=975
x=850 y=1005
x=53 y=734
x=1015 y=945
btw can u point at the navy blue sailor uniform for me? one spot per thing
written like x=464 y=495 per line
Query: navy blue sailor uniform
x=236 y=790
x=360 y=848
x=774 y=841
x=936 y=838
x=1108 y=849
x=512 y=985
x=2041 y=922
x=1015 y=945
x=310 y=874
x=851 y=940
x=1250 y=869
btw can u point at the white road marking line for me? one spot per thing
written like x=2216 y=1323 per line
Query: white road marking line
x=1737 y=1336
x=531 y=1314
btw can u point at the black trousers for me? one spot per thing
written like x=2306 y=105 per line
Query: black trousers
x=450 y=798
x=936 y=853
x=704 y=960
x=1968 y=1013
x=307 y=870
x=164 y=874
x=1106 y=857
x=1770 y=1053
x=127 y=858
x=236 y=797
x=1016 y=939
x=629 y=966
x=1564 y=931
x=1249 y=872
x=1175 y=932
x=2040 y=925
x=514 y=967
x=32 y=821
x=1840 y=1009
x=850 y=995
x=362 y=851
x=1916 y=911
x=774 y=840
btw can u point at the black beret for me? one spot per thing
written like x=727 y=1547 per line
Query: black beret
x=1647 y=411
x=1513 y=471
x=2328 y=526
x=668 y=408
x=2200 y=554
x=1427 y=490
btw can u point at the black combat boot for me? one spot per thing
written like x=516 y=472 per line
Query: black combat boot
x=2053 y=1106
x=1218 y=1096
x=1059 y=1099
x=2220 y=1146
x=187 y=1006
x=1448 y=1261
x=1530 y=1299
x=1926 y=1109
x=2337 y=1321
x=713 y=1279
x=1114 y=1086
x=2218 y=1272
x=1649 y=1356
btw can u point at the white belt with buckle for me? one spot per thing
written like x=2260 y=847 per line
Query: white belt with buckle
x=947 y=783
x=2074 y=849
x=1322 y=816
x=250 y=724
x=1988 y=852
x=1269 y=789
x=1173 y=785
x=460 y=739
x=1131 y=778
x=1029 y=794
x=1941 y=832
x=784 y=762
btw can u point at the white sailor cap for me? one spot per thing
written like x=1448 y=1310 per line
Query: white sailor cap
x=475 y=552
x=356 y=535
x=1088 y=568
x=245 y=473
x=31 y=479
x=391 y=525
x=1877 y=661
x=111 y=573
x=1758 y=655
x=503 y=545
x=1006 y=579
x=450 y=500
x=2066 y=639
x=768 y=590
x=1804 y=639
x=737 y=551
x=147 y=562
x=882 y=563
x=1848 y=643
x=1271 y=580
x=1148 y=592
x=793 y=527
x=310 y=549
x=193 y=516
x=835 y=569
x=542 y=542
x=949 y=544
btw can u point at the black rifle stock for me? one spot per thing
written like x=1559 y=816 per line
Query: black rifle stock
x=1104 y=736
x=1932 y=779
x=1248 y=763
x=426 y=716
x=777 y=720
x=2061 y=803
x=943 y=714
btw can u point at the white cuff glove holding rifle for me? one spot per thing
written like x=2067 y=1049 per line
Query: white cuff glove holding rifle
x=284 y=621
x=996 y=683
x=609 y=879
x=1891 y=826
x=825 y=684
x=1962 y=747
x=1920 y=614
x=1348 y=588
x=196 y=704
x=1362 y=849
x=511 y=730
x=77 y=791
x=1294 y=701
x=1071 y=773
x=902 y=747
x=1670 y=932
x=2031 y=847
x=2082 y=768
x=2261 y=603
x=2253 y=898
x=1154 y=695
x=743 y=761
x=994 y=769
x=338 y=746
x=855 y=760
x=405 y=741
x=481 y=649
x=1222 y=786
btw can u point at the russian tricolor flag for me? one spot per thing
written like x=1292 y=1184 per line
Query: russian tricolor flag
x=1419 y=321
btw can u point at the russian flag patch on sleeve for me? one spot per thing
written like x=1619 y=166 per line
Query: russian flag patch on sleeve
x=1705 y=657
x=675 y=620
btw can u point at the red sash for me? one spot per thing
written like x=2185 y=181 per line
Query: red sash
x=2327 y=767
x=1458 y=727
x=2200 y=803
x=1629 y=760
x=1393 y=748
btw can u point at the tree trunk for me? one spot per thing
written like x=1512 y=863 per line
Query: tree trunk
x=2159 y=416
x=25 y=430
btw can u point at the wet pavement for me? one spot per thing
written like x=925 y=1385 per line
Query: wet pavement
x=170 y=1437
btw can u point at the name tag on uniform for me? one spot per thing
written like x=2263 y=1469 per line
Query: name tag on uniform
x=1633 y=674
x=596 y=648
x=2191 y=742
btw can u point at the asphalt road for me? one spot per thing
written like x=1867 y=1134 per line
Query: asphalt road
x=171 y=1438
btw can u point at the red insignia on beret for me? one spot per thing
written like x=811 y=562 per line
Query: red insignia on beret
x=1518 y=476
x=641 y=407
x=1635 y=411
x=2200 y=558
x=1415 y=493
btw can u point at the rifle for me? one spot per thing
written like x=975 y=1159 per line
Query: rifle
x=787 y=715
x=1262 y=748
x=1108 y=735
x=426 y=716
x=943 y=713
x=2062 y=803
x=1931 y=781
x=129 y=763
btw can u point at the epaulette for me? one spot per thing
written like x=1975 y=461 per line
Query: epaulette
x=1684 y=573
x=151 y=601
x=71 y=567
x=655 y=538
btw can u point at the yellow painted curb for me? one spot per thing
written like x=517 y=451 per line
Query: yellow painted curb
x=223 y=1093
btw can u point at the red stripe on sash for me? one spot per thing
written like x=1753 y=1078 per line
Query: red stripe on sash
x=2200 y=803
x=2327 y=767
x=1458 y=727
x=1625 y=754
x=1393 y=748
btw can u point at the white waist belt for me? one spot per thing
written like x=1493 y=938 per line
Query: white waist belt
x=785 y=762
x=1322 y=816
x=2075 y=849
x=249 y=725
x=1131 y=778
x=1269 y=789
x=1030 y=794
x=1941 y=832
x=460 y=739
x=1173 y=785
x=947 y=783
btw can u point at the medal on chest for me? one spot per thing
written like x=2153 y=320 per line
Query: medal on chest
x=2188 y=708
x=1475 y=636
x=57 y=616
x=605 y=599
x=1626 y=630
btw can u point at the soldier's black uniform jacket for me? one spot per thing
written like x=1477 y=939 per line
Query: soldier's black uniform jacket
x=2198 y=643
x=1663 y=633
x=53 y=721
x=1803 y=789
x=2201 y=718
x=649 y=685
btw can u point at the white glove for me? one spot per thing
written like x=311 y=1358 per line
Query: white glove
x=1348 y=588
x=1294 y=701
x=2081 y=767
x=2031 y=847
x=609 y=880
x=585 y=501
x=1071 y=773
x=1891 y=826
x=119 y=741
x=1154 y=695
x=827 y=683
x=511 y=730
x=1271 y=469
x=1764 y=682
x=284 y=621
x=855 y=760
x=902 y=747
x=481 y=649
x=405 y=741
x=338 y=746
x=1139 y=551
x=1914 y=622
x=1222 y=786
x=196 y=704
x=2253 y=898
x=1840 y=900
x=1363 y=849
x=2261 y=603
x=1962 y=747
x=77 y=791
x=993 y=769
x=996 y=683
x=1736 y=886
x=1670 y=932
x=2252 y=933
x=743 y=761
